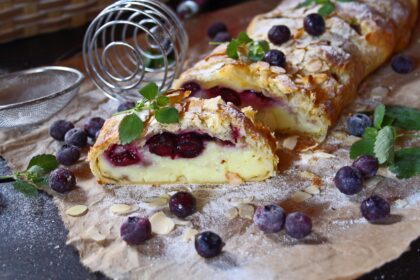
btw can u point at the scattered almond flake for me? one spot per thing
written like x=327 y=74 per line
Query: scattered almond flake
x=161 y=224
x=290 y=142
x=77 y=210
x=400 y=203
x=350 y=139
x=246 y=211
x=231 y=213
x=307 y=175
x=189 y=234
x=122 y=209
x=165 y=196
x=239 y=201
x=384 y=171
x=372 y=182
x=380 y=91
x=310 y=148
x=338 y=135
x=156 y=203
x=180 y=222
x=313 y=66
x=300 y=196
x=94 y=234
x=277 y=69
x=234 y=178
x=249 y=113
x=312 y=190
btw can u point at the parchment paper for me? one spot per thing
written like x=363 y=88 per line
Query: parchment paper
x=343 y=245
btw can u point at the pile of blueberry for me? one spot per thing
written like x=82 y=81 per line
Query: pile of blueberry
x=62 y=180
x=272 y=218
x=218 y=32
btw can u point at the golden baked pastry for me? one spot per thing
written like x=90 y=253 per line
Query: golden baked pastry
x=214 y=142
x=322 y=73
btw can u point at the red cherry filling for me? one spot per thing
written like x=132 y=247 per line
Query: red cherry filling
x=229 y=95
x=191 y=86
x=123 y=155
x=185 y=145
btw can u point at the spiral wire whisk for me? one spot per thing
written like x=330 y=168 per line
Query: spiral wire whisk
x=132 y=42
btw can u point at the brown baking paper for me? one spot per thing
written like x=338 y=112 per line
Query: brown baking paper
x=343 y=245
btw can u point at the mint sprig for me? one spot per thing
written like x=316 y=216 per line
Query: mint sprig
x=326 y=6
x=35 y=177
x=243 y=46
x=131 y=126
x=389 y=123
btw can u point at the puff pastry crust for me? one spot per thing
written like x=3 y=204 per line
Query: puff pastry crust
x=250 y=155
x=322 y=73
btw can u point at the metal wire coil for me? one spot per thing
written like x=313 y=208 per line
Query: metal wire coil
x=133 y=42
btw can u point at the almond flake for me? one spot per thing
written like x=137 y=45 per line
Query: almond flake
x=77 y=210
x=156 y=203
x=189 y=234
x=290 y=142
x=239 y=201
x=246 y=211
x=312 y=190
x=380 y=91
x=161 y=224
x=122 y=209
x=94 y=234
x=314 y=66
x=372 y=182
x=307 y=175
x=300 y=196
x=231 y=213
x=180 y=222
x=400 y=203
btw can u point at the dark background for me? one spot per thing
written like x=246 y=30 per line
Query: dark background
x=32 y=235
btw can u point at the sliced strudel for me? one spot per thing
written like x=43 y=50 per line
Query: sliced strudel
x=214 y=142
x=321 y=73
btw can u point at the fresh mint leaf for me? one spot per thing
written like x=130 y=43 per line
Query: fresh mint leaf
x=326 y=9
x=365 y=145
x=406 y=163
x=256 y=50
x=404 y=117
x=167 y=115
x=25 y=187
x=320 y=2
x=162 y=100
x=305 y=3
x=243 y=38
x=36 y=174
x=384 y=145
x=130 y=128
x=344 y=1
x=378 y=116
x=149 y=91
x=232 y=49
x=45 y=161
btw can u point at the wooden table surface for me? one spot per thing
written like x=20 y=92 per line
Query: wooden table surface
x=44 y=255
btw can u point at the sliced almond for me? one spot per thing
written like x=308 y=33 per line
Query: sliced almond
x=180 y=222
x=231 y=213
x=77 y=210
x=239 y=201
x=372 y=182
x=290 y=142
x=189 y=234
x=161 y=224
x=234 y=178
x=94 y=234
x=156 y=203
x=312 y=190
x=380 y=91
x=246 y=211
x=307 y=175
x=400 y=203
x=300 y=196
x=122 y=209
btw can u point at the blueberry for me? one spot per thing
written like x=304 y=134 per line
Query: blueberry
x=269 y=218
x=216 y=28
x=136 y=230
x=402 y=64
x=357 y=123
x=126 y=106
x=367 y=165
x=314 y=24
x=62 y=180
x=59 y=128
x=275 y=58
x=182 y=204
x=375 y=208
x=208 y=244
x=279 y=34
x=222 y=37
x=93 y=125
x=298 y=225
x=76 y=137
x=348 y=180
x=68 y=155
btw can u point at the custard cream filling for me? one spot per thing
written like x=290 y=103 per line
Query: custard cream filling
x=212 y=166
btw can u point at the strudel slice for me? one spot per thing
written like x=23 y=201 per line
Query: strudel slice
x=321 y=74
x=214 y=142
